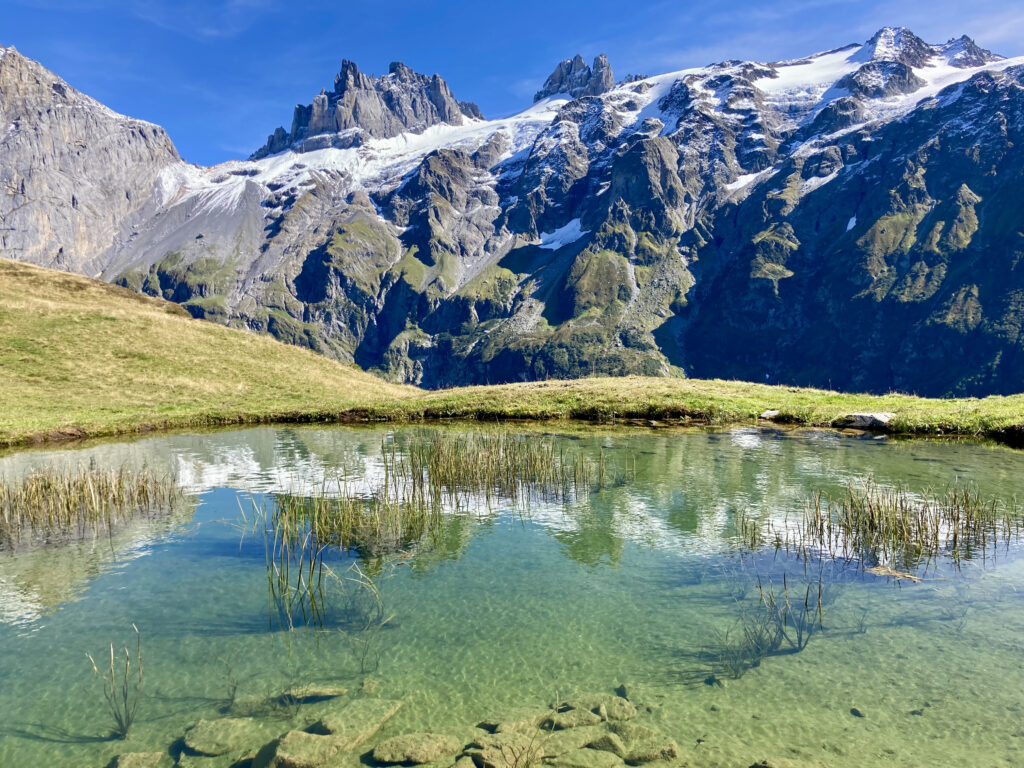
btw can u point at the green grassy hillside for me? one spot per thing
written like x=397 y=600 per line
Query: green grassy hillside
x=80 y=357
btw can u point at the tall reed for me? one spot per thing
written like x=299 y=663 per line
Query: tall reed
x=54 y=505
x=875 y=525
x=122 y=687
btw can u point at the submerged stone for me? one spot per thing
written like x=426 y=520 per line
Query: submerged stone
x=561 y=742
x=586 y=758
x=507 y=750
x=314 y=692
x=299 y=749
x=358 y=720
x=227 y=760
x=516 y=720
x=142 y=760
x=228 y=734
x=640 y=744
x=416 y=748
x=606 y=705
x=570 y=718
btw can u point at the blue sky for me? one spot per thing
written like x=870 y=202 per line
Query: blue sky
x=222 y=74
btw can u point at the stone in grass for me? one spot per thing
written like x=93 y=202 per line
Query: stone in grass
x=586 y=758
x=142 y=760
x=357 y=721
x=228 y=734
x=416 y=748
x=865 y=420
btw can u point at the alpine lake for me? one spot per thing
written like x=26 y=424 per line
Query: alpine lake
x=657 y=597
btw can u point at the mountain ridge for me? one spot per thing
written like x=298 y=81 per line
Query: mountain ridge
x=657 y=226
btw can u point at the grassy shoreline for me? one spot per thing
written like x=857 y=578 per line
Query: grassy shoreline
x=80 y=358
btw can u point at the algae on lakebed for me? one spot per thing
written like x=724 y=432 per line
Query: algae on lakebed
x=516 y=609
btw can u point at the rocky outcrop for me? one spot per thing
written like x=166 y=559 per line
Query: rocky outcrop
x=71 y=170
x=574 y=78
x=361 y=105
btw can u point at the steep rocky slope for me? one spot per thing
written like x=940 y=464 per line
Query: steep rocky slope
x=846 y=219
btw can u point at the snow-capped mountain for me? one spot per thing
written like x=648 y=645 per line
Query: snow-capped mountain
x=843 y=219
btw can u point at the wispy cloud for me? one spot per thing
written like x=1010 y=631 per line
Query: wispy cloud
x=202 y=19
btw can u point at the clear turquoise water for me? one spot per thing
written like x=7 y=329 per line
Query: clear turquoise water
x=630 y=586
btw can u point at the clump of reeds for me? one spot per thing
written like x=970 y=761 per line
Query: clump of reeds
x=54 y=505
x=122 y=688
x=431 y=477
x=782 y=622
x=489 y=465
x=892 y=526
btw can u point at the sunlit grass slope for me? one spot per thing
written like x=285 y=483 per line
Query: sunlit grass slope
x=80 y=357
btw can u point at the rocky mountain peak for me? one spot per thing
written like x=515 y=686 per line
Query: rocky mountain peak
x=963 y=52
x=364 y=106
x=575 y=78
x=898 y=44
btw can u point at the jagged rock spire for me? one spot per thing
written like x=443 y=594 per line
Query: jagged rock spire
x=360 y=105
x=575 y=78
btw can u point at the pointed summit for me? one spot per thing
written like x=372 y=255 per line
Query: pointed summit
x=898 y=44
x=964 y=53
x=574 y=78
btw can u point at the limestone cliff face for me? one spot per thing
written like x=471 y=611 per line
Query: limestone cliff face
x=848 y=219
x=71 y=170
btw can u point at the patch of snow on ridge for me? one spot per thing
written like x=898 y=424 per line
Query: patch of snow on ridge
x=742 y=181
x=570 y=233
x=377 y=163
x=851 y=223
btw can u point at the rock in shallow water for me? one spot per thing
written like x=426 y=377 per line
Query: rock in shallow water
x=299 y=749
x=416 y=748
x=586 y=758
x=358 y=720
x=228 y=734
x=142 y=760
